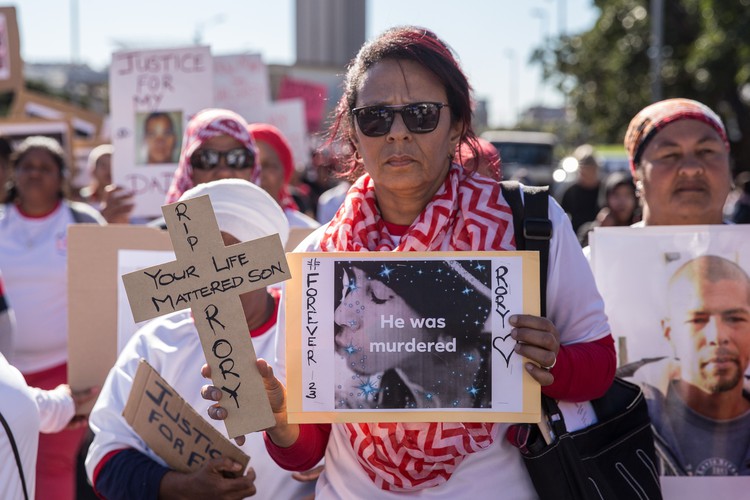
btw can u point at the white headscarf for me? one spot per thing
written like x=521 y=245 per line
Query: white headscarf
x=243 y=209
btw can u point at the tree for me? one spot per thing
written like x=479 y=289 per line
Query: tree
x=604 y=72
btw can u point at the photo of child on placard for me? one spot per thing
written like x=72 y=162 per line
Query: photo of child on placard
x=683 y=307
x=412 y=334
x=159 y=137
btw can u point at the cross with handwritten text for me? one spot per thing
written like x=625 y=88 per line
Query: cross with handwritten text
x=208 y=278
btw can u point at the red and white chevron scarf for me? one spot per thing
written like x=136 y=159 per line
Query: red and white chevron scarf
x=466 y=213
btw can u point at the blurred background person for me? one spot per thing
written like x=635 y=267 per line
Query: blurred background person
x=33 y=257
x=216 y=146
x=581 y=199
x=159 y=137
x=115 y=203
x=619 y=203
x=276 y=169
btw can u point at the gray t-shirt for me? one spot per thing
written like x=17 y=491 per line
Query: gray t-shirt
x=709 y=447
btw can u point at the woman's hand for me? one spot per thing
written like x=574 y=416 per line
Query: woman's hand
x=539 y=341
x=117 y=205
x=282 y=434
x=80 y=399
x=217 y=478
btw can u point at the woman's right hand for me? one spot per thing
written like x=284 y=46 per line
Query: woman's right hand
x=282 y=434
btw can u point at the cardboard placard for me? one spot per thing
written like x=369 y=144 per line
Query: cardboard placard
x=153 y=95
x=208 y=278
x=241 y=84
x=289 y=117
x=11 y=66
x=16 y=130
x=171 y=427
x=92 y=296
x=84 y=123
x=680 y=312
x=365 y=329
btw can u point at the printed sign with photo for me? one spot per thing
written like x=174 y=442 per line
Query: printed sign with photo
x=420 y=337
x=680 y=311
x=153 y=94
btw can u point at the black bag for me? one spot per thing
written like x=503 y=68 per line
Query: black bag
x=611 y=459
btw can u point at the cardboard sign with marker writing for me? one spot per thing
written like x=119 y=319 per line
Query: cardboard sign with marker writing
x=171 y=427
x=208 y=278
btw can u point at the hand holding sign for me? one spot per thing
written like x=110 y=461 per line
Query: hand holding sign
x=200 y=277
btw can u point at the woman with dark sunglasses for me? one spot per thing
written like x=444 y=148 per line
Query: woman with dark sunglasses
x=406 y=107
x=216 y=146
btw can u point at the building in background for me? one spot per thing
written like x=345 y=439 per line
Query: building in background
x=329 y=32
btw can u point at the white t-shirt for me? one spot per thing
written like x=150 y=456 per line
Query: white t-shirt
x=28 y=411
x=576 y=309
x=298 y=219
x=171 y=345
x=33 y=257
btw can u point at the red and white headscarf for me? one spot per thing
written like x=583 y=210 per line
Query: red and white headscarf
x=263 y=132
x=203 y=126
x=466 y=213
x=644 y=126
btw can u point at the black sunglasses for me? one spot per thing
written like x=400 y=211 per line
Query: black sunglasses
x=208 y=159
x=419 y=117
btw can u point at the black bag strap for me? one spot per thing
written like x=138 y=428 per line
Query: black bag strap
x=532 y=227
x=15 y=452
x=533 y=231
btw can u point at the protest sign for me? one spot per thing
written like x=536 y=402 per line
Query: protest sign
x=85 y=124
x=208 y=278
x=92 y=295
x=171 y=427
x=153 y=94
x=241 y=84
x=409 y=337
x=289 y=117
x=680 y=310
x=15 y=130
x=312 y=93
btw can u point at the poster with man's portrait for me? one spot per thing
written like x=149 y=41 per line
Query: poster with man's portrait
x=417 y=337
x=153 y=95
x=678 y=302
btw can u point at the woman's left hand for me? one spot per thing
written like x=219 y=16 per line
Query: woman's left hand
x=539 y=341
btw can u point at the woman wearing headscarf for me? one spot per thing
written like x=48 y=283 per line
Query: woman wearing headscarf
x=33 y=258
x=405 y=108
x=679 y=157
x=277 y=167
x=119 y=463
x=216 y=146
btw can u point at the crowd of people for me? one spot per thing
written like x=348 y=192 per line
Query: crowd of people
x=402 y=170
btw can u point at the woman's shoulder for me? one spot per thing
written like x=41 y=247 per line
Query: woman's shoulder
x=299 y=219
x=312 y=242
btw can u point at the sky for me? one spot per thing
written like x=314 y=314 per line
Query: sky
x=494 y=39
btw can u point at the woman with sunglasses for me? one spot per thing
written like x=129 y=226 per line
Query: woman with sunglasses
x=216 y=146
x=406 y=107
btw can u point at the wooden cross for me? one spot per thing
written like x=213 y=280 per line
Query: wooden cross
x=208 y=278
